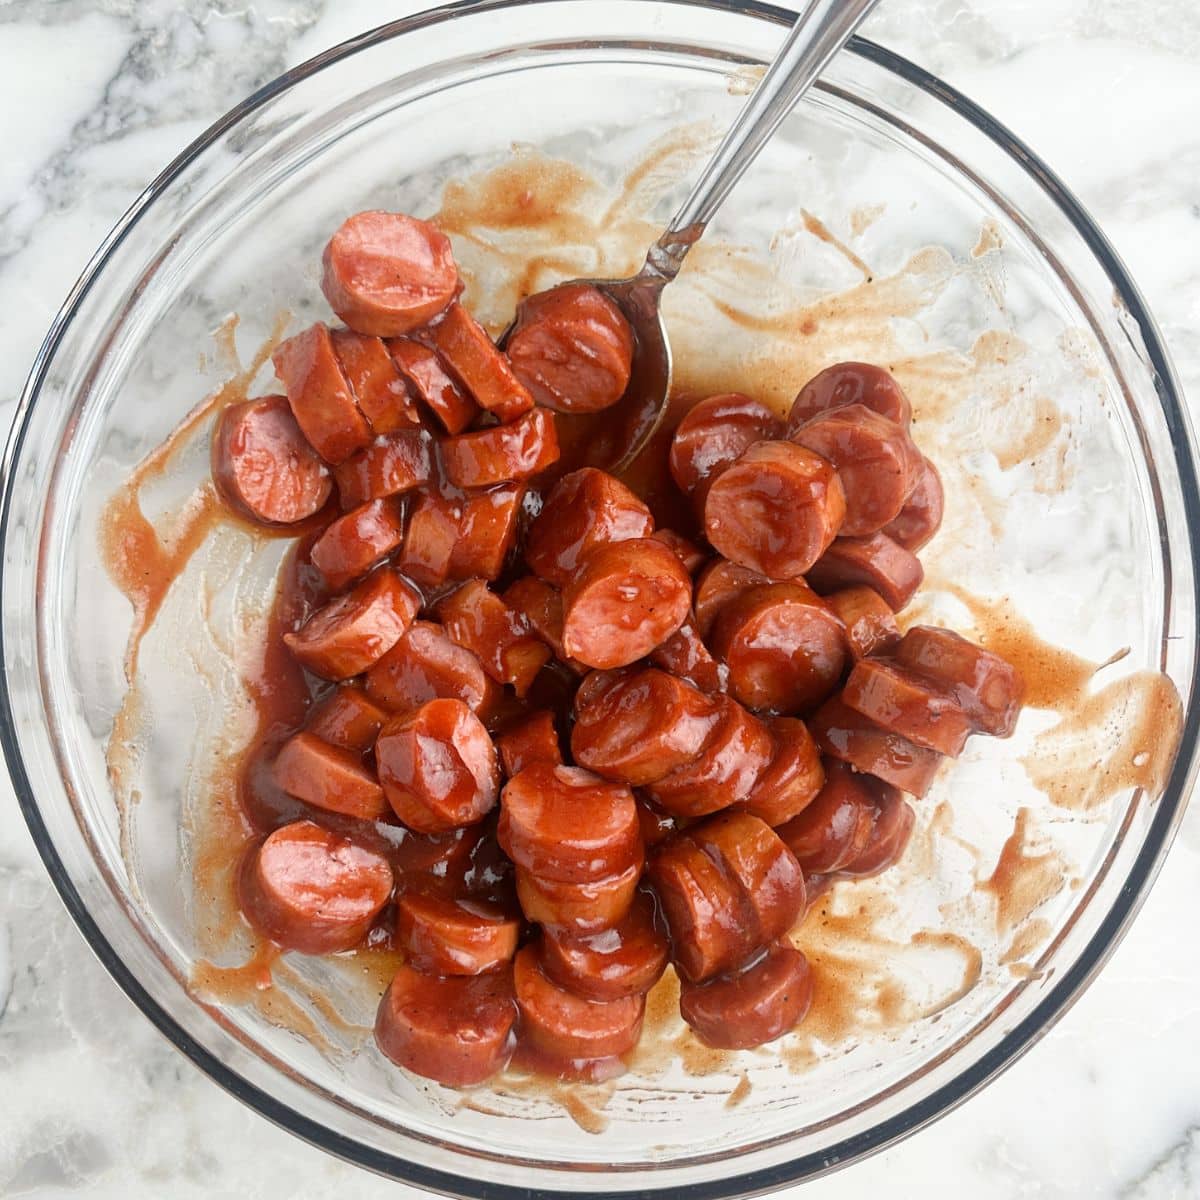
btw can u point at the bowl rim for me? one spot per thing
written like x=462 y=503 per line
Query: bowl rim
x=1072 y=983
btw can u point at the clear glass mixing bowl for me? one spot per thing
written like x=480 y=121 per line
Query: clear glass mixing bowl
x=1042 y=388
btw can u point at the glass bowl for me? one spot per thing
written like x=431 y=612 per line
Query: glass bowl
x=890 y=219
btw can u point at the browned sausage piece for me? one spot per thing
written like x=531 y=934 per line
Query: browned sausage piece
x=445 y=857
x=835 y=829
x=432 y=384
x=710 y=921
x=890 y=834
x=457 y=1030
x=986 y=686
x=656 y=824
x=576 y=908
x=426 y=665
x=850 y=383
x=346 y=718
x=374 y=381
x=847 y=735
x=476 y=363
x=355 y=542
x=764 y=1001
x=264 y=467
x=784 y=649
x=441 y=935
x=626 y=598
x=685 y=655
x=875 y=562
x=639 y=728
x=329 y=777
x=356 y=630
x=320 y=397
x=870 y=625
x=529 y=741
x=438 y=767
x=775 y=510
x=541 y=607
x=487 y=532
x=792 y=779
x=688 y=553
x=921 y=516
x=713 y=435
x=900 y=700
x=312 y=890
x=584 y=509
x=726 y=769
x=569 y=1027
x=387 y=273
x=566 y=824
x=432 y=537
x=572 y=348
x=478 y=619
x=626 y=960
x=391 y=464
x=522 y=448
x=719 y=583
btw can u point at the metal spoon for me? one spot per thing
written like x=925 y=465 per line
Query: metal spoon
x=820 y=31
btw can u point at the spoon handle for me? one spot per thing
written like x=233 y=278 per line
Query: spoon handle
x=820 y=31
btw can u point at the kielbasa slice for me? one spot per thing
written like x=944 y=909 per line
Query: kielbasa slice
x=921 y=516
x=354 y=543
x=434 y=529
x=478 y=365
x=890 y=833
x=542 y=609
x=875 y=562
x=531 y=740
x=576 y=908
x=720 y=583
x=445 y=857
x=428 y=378
x=312 y=890
x=775 y=510
x=356 y=630
x=626 y=598
x=393 y=463
x=870 y=625
x=572 y=348
x=457 y=1029
x=656 y=823
x=347 y=718
x=784 y=649
x=835 y=829
x=375 y=382
x=329 y=777
x=713 y=435
x=688 y=553
x=426 y=665
x=685 y=655
x=585 y=509
x=263 y=465
x=760 y=1003
x=899 y=699
x=501 y=453
x=438 y=767
x=441 y=935
x=387 y=273
x=793 y=777
x=487 y=532
x=849 y=383
x=320 y=398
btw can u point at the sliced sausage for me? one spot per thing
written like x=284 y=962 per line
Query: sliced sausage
x=531 y=740
x=876 y=460
x=426 y=665
x=542 y=609
x=793 y=777
x=356 y=630
x=584 y=509
x=320 y=398
x=476 y=363
x=775 y=510
x=387 y=273
x=429 y=379
x=844 y=734
x=572 y=348
x=569 y=1027
x=441 y=935
x=900 y=700
x=577 y=908
x=438 y=767
x=685 y=655
x=477 y=618
x=875 y=562
x=566 y=824
x=263 y=465
x=890 y=833
x=760 y=1003
x=688 y=553
x=988 y=688
x=354 y=543
x=446 y=858
x=921 y=516
x=835 y=829
x=626 y=598
x=656 y=823
x=718 y=584
x=391 y=464
x=347 y=718
x=487 y=532
x=784 y=649
x=638 y=728
x=312 y=890
x=501 y=453
x=375 y=382
x=713 y=435
x=849 y=383
x=626 y=960
x=329 y=777
x=870 y=625
x=432 y=537
x=457 y=1030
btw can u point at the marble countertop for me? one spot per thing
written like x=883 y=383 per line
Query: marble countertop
x=97 y=95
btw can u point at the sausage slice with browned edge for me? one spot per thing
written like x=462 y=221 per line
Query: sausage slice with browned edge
x=836 y=828
x=713 y=435
x=329 y=777
x=533 y=739
x=501 y=453
x=685 y=654
x=890 y=835
x=921 y=516
x=347 y=718
x=487 y=532
x=432 y=537
x=793 y=777
x=442 y=935
x=849 y=383
x=875 y=562
x=393 y=463
x=719 y=584
x=571 y=909
x=688 y=553
x=350 y=546
x=429 y=379
x=869 y=623
x=478 y=365
x=375 y=382
x=426 y=665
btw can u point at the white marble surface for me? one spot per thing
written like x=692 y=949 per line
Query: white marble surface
x=96 y=96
